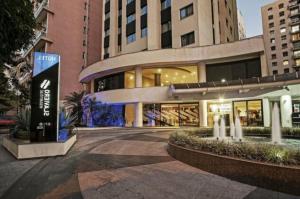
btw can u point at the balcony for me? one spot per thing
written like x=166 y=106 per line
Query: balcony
x=293 y=4
x=40 y=39
x=294 y=20
x=41 y=9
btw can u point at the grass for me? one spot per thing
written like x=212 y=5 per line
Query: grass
x=260 y=152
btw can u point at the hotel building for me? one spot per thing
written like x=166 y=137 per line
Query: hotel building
x=70 y=29
x=281 y=25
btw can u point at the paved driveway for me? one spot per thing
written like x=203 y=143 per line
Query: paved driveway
x=117 y=163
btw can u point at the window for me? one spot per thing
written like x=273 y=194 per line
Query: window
x=282 y=22
x=227 y=22
x=188 y=39
x=282 y=30
x=286 y=70
x=165 y=4
x=131 y=38
x=107 y=15
x=144 y=32
x=129 y=1
x=272 y=41
x=283 y=37
x=281 y=6
x=297 y=53
x=285 y=63
x=271 y=25
x=281 y=14
x=295 y=28
x=274 y=64
x=271 y=17
x=275 y=72
x=144 y=10
x=249 y=112
x=272 y=33
x=130 y=18
x=186 y=11
x=285 y=54
x=297 y=62
x=284 y=46
x=296 y=37
x=166 y=27
x=273 y=56
x=106 y=32
x=273 y=48
x=106 y=51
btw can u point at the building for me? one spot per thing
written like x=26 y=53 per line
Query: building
x=70 y=29
x=241 y=25
x=138 y=25
x=281 y=25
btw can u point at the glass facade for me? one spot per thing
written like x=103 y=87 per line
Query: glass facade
x=250 y=112
x=171 y=115
x=233 y=70
x=166 y=76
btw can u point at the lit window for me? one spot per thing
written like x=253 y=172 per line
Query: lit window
x=283 y=30
x=285 y=63
x=295 y=28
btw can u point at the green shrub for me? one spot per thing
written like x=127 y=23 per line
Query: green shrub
x=250 y=151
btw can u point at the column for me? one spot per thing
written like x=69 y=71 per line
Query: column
x=201 y=72
x=266 y=112
x=113 y=29
x=138 y=77
x=138 y=122
x=203 y=113
x=153 y=24
x=286 y=109
x=264 y=65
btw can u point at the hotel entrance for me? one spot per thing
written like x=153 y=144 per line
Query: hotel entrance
x=171 y=115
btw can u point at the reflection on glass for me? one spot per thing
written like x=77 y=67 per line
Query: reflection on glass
x=170 y=114
x=130 y=79
x=250 y=112
x=166 y=76
x=152 y=115
x=189 y=115
x=218 y=110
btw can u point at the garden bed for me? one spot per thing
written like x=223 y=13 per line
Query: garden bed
x=267 y=168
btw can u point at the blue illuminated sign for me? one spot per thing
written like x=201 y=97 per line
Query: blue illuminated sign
x=44 y=61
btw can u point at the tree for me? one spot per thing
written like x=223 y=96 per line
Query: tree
x=17 y=25
x=74 y=108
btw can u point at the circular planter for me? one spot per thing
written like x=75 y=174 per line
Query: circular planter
x=269 y=176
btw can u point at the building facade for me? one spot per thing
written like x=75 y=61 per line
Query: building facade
x=70 y=29
x=241 y=25
x=137 y=25
x=281 y=26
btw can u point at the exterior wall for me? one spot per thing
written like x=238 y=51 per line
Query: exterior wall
x=241 y=25
x=277 y=36
x=201 y=22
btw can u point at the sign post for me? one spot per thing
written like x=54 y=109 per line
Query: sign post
x=45 y=98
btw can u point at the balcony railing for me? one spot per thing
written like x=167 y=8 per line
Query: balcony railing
x=38 y=35
x=39 y=7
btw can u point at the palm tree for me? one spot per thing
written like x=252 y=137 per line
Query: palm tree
x=74 y=108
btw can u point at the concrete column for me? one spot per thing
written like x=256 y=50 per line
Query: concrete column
x=113 y=38
x=286 y=108
x=203 y=113
x=138 y=77
x=202 y=72
x=153 y=24
x=138 y=122
x=264 y=65
x=266 y=112
x=92 y=87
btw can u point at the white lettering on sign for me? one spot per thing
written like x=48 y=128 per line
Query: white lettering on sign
x=45 y=97
x=47 y=58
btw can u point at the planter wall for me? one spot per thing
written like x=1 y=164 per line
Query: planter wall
x=269 y=176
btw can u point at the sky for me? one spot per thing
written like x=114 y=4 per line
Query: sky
x=251 y=10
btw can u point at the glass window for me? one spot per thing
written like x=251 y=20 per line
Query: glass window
x=249 y=112
x=283 y=30
x=285 y=63
x=166 y=76
x=130 y=79
x=166 y=27
x=131 y=38
x=165 y=4
x=129 y=1
x=188 y=39
x=189 y=115
x=144 y=10
x=186 y=11
x=295 y=28
x=144 y=32
x=130 y=18
x=216 y=110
